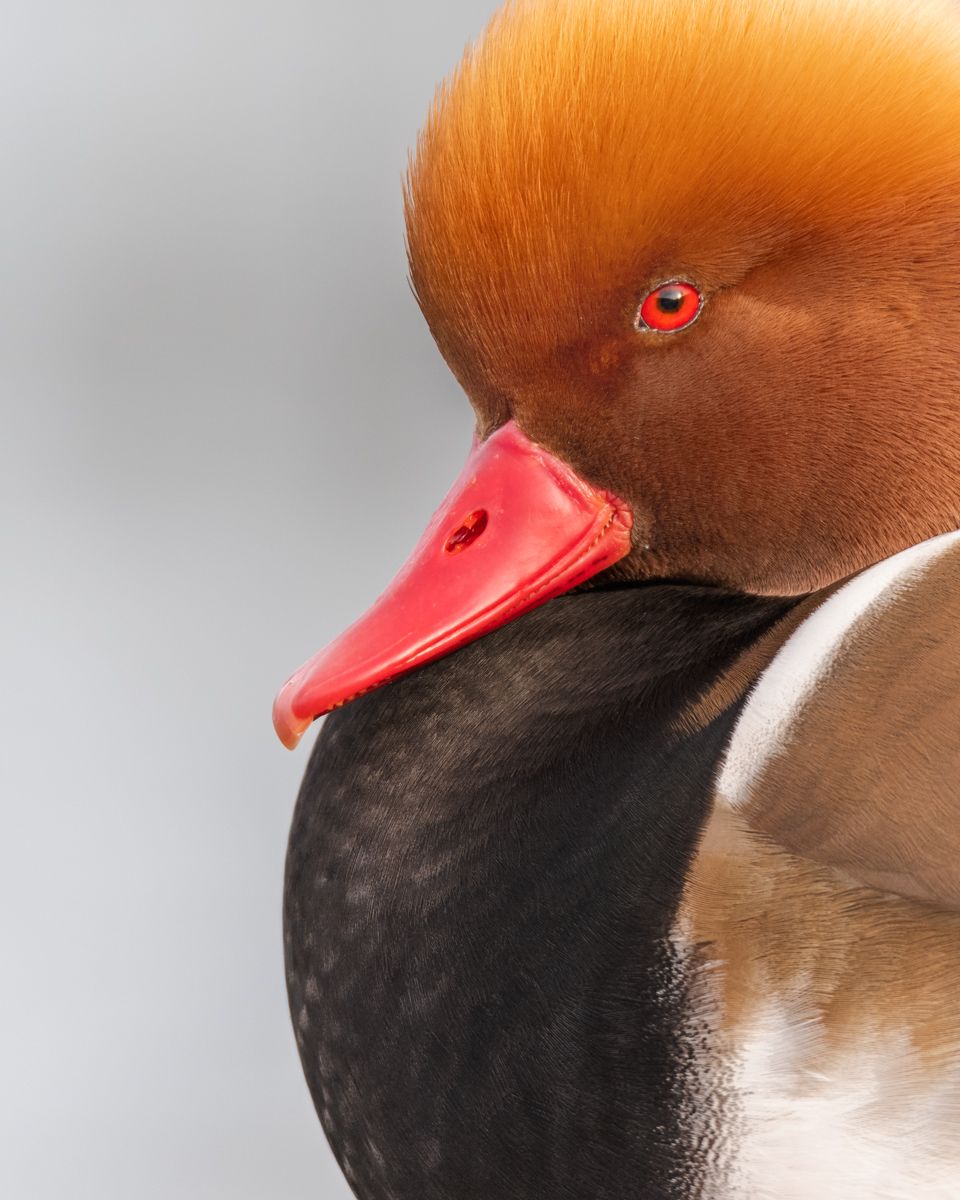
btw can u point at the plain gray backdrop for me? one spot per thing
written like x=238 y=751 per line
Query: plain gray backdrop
x=224 y=425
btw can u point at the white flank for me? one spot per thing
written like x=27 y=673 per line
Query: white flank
x=872 y=1124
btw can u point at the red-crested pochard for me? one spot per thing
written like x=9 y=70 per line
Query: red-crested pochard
x=653 y=890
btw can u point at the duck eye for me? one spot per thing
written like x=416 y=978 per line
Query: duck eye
x=669 y=307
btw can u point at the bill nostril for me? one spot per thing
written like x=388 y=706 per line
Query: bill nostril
x=468 y=532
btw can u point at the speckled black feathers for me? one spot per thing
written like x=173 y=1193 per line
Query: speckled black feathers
x=485 y=862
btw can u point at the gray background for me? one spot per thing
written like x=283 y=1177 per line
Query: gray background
x=224 y=424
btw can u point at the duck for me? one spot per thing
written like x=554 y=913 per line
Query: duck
x=627 y=860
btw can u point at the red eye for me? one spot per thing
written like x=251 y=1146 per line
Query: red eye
x=669 y=307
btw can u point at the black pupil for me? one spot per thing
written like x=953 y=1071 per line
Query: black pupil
x=670 y=300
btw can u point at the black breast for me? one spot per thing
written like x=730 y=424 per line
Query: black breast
x=484 y=866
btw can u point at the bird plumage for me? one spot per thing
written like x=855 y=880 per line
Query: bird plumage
x=654 y=891
x=485 y=865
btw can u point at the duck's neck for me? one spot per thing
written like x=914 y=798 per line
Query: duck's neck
x=485 y=864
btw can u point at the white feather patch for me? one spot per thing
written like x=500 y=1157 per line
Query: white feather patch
x=874 y=1123
x=786 y=1115
x=790 y=681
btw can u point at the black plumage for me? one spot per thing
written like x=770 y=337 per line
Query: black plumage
x=484 y=868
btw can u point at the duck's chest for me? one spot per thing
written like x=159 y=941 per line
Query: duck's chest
x=489 y=1000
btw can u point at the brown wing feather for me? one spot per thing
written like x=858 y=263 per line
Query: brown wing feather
x=868 y=778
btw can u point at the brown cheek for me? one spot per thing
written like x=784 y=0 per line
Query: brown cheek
x=729 y=461
x=823 y=441
x=664 y=425
x=605 y=357
x=777 y=466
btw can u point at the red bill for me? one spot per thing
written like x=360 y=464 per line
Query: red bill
x=517 y=528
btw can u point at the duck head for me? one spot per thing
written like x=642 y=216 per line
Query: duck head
x=697 y=268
